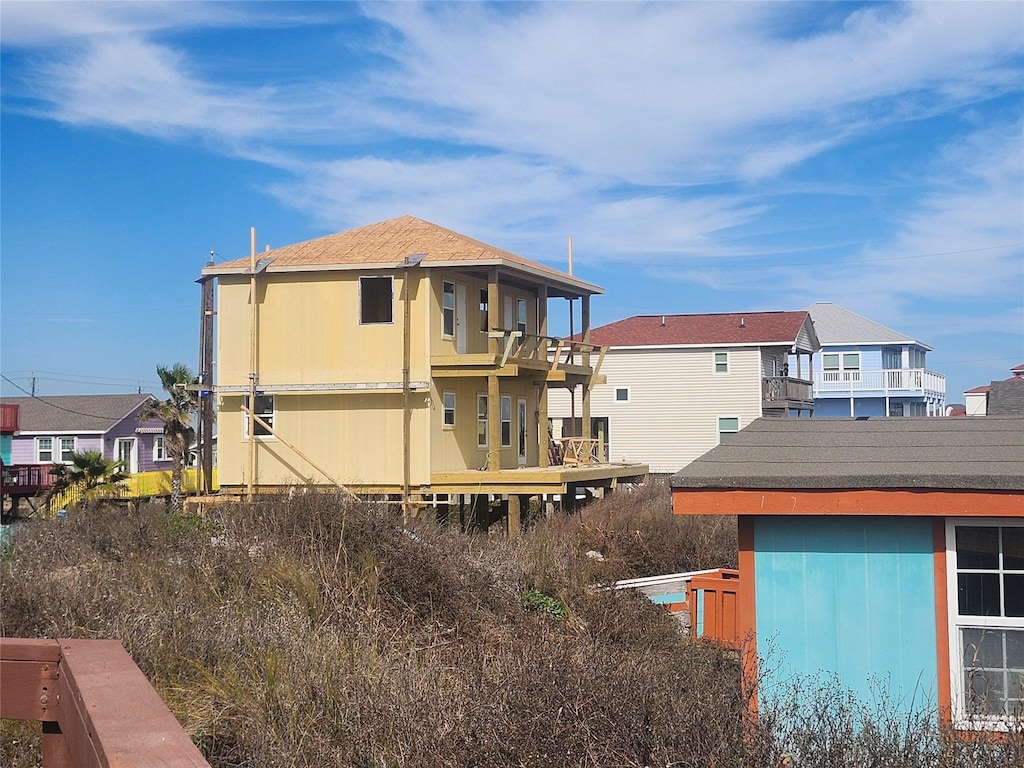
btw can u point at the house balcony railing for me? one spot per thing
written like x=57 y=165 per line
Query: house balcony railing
x=555 y=356
x=892 y=381
x=26 y=479
x=786 y=392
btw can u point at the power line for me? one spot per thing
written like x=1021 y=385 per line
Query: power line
x=52 y=405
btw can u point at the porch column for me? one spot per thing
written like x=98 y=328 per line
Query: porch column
x=493 y=460
x=585 y=336
x=543 y=436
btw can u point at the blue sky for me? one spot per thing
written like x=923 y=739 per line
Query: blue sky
x=703 y=157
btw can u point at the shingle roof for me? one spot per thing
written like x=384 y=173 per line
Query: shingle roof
x=1006 y=398
x=983 y=453
x=754 y=328
x=74 y=413
x=388 y=243
x=835 y=325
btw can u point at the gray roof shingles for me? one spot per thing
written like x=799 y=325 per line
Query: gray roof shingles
x=983 y=453
x=835 y=325
x=74 y=413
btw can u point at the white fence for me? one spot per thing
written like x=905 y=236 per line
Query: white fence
x=892 y=381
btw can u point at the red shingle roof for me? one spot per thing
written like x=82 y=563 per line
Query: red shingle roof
x=753 y=328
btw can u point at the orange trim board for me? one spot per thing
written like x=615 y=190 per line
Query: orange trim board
x=927 y=503
x=747 y=618
x=941 y=621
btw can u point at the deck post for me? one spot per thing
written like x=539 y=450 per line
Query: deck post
x=54 y=747
x=585 y=335
x=514 y=516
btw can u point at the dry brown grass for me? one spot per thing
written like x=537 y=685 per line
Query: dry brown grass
x=316 y=632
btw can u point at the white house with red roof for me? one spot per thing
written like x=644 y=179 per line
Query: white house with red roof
x=678 y=385
x=998 y=398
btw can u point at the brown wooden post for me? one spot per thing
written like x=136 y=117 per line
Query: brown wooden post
x=543 y=436
x=513 y=516
x=204 y=476
x=54 y=747
x=493 y=459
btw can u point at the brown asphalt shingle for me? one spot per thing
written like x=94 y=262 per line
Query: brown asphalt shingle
x=74 y=413
x=726 y=328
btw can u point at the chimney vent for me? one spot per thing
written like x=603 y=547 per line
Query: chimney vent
x=743 y=322
x=662 y=321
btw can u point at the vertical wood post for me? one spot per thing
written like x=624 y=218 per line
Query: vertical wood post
x=493 y=459
x=585 y=336
x=204 y=479
x=543 y=436
x=250 y=410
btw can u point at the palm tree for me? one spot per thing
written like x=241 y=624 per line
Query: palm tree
x=176 y=413
x=89 y=471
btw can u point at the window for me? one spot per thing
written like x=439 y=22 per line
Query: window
x=376 y=296
x=843 y=366
x=264 y=409
x=448 y=309
x=986 y=574
x=895 y=409
x=159 y=449
x=622 y=394
x=521 y=316
x=483 y=310
x=449 y=409
x=506 y=421
x=721 y=362
x=481 y=421
x=58 y=450
x=727 y=427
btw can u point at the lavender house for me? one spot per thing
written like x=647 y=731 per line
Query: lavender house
x=51 y=428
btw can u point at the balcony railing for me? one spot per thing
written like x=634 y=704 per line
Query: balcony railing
x=783 y=389
x=531 y=351
x=901 y=381
x=26 y=479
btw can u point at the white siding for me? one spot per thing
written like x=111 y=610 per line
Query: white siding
x=675 y=399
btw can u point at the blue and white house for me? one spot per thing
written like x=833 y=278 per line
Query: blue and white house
x=866 y=369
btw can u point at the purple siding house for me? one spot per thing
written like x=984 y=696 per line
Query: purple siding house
x=53 y=427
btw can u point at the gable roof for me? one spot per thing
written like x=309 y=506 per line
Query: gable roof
x=982 y=453
x=751 y=328
x=75 y=413
x=387 y=244
x=835 y=325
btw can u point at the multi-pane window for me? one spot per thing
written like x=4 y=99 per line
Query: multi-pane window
x=159 y=449
x=506 y=421
x=727 y=427
x=721 y=362
x=987 y=623
x=263 y=408
x=376 y=299
x=841 y=366
x=449 y=409
x=481 y=421
x=60 y=450
x=448 y=309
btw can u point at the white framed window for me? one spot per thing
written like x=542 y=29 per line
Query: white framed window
x=481 y=421
x=622 y=394
x=841 y=366
x=264 y=408
x=448 y=309
x=55 y=450
x=721 y=362
x=728 y=426
x=448 y=400
x=506 y=421
x=985 y=584
x=376 y=300
x=160 y=449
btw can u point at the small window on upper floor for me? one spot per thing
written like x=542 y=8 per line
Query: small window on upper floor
x=521 y=316
x=721 y=362
x=622 y=394
x=376 y=300
x=448 y=309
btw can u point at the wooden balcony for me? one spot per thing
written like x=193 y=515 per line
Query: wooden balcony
x=95 y=705
x=784 y=394
x=25 y=480
x=554 y=359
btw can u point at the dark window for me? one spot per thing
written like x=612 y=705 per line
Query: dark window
x=375 y=300
x=449 y=309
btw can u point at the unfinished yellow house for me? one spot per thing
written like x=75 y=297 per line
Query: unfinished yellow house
x=400 y=358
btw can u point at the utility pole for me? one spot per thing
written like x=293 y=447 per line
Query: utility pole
x=205 y=431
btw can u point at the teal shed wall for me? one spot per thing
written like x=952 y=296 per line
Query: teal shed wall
x=853 y=596
x=5 y=448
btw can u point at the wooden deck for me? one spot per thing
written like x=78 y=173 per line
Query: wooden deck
x=537 y=480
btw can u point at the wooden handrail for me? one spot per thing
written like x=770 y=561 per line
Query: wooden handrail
x=96 y=706
x=714 y=607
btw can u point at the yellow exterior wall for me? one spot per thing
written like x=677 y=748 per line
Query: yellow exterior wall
x=309 y=330
x=309 y=333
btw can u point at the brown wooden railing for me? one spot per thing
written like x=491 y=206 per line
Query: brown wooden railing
x=714 y=607
x=25 y=479
x=775 y=389
x=96 y=707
